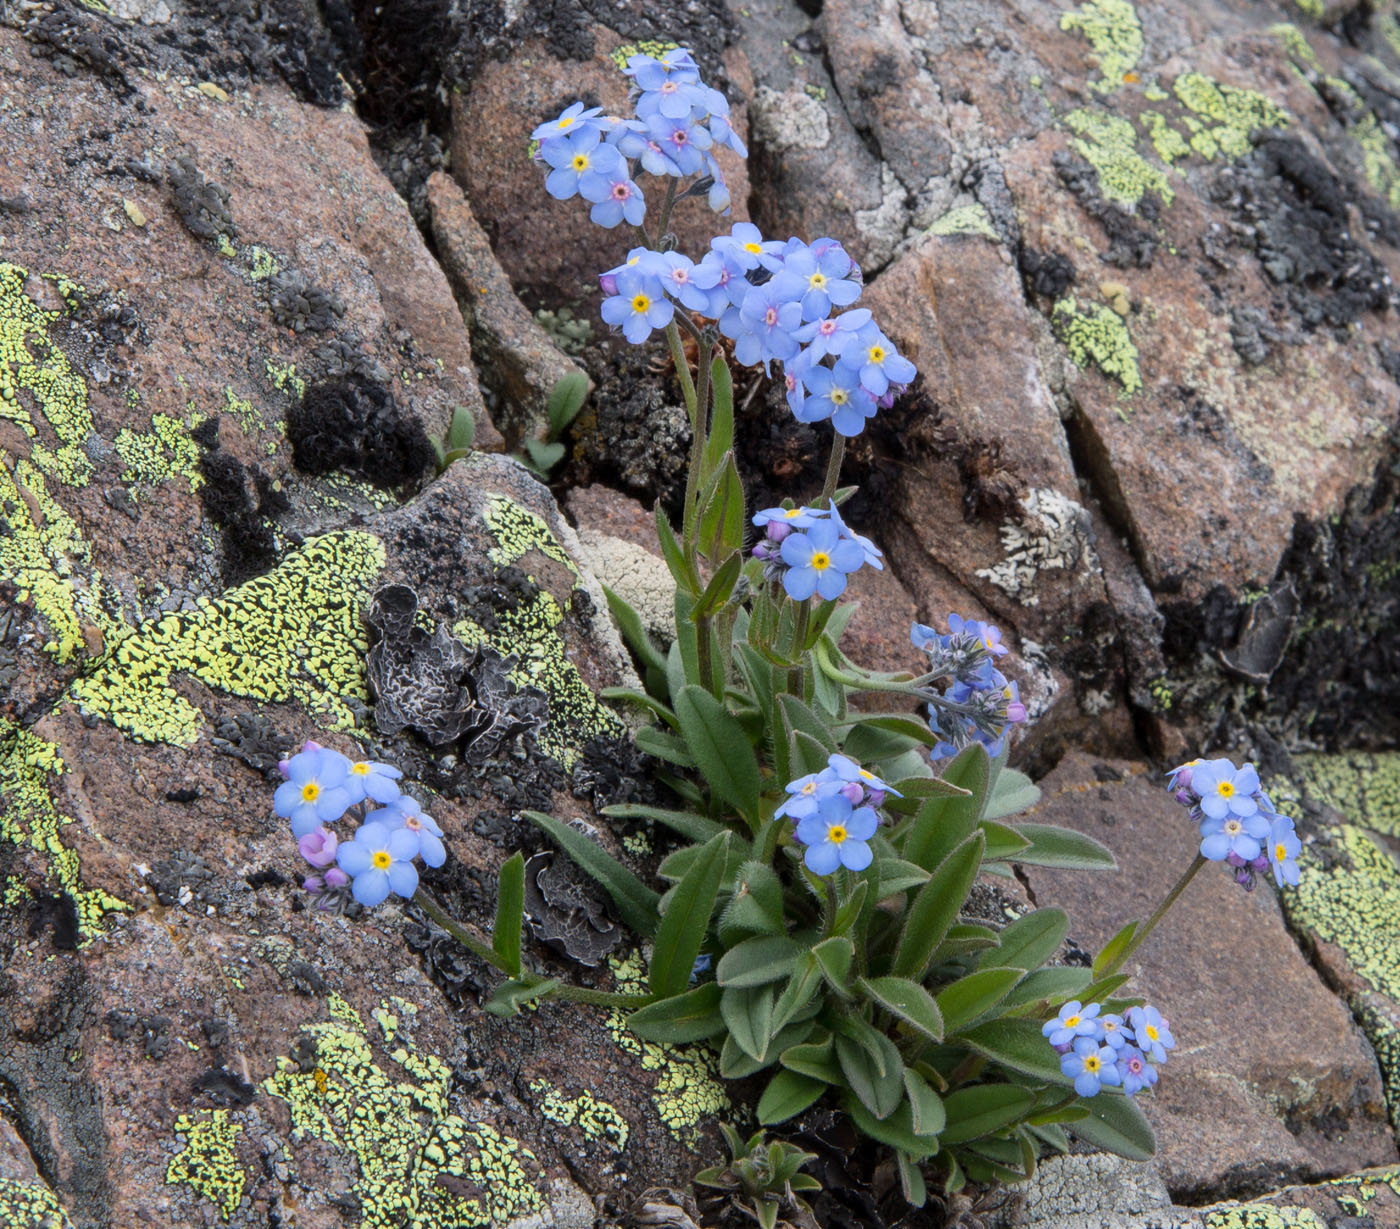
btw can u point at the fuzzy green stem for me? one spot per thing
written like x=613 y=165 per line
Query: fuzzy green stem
x=833 y=470
x=1148 y=926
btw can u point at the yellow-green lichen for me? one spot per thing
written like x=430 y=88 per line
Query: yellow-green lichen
x=966 y=220
x=1295 y=43
x=31 y=1205
x=1109 y=144
x=262 y=264
x=419 y=1166
x=1228 y=115
x=1314 y=9
x=1097 y=335
x=283 y=377
x=599 y=1121
x=208 y=1163
x=165 y=452
x=620 y=55
x=1264 y=1216
x=530 y=632
x=1166 y=140
x=1365 y=129
x=1115 y=34
x=242 y=409
x=31 y=820
x=295 y=633
x=688 y=1092
x=1364 y=787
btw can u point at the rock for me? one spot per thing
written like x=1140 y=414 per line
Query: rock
x=1243 y=1105
x=548 y=248
x=523 y=362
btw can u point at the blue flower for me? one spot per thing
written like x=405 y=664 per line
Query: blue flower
x=650 y=72
x=380 y=860
x=806 y=793
x=673 y=100
x=1115 y=1032
x=1232 y=834
x=404 y=812
x=795 y=518
x=578 y=160
x=573 y=119
x=1074 y=1021
x=638 y=306
x=1153 y=1036
x=618 y=199
x=846 y=769
x=634 y=140
x=681 y=142
x=377 y=782
x=1091 y=1066
x=878 y=363
x=1136 y=1072
x=747 y=248
x=837 y=835
x=873 y=554
x=825 y=285
x=836 y=393
x=1224 y=789
x=833 y=335
x=723 y=283
x=819 y=560
x=1284 y=848
x=768 y=318
x=314 y=792
x=678 y=282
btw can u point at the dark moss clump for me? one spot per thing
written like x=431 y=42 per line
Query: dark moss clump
x=297 y=304
x=202 y=206
x=242 y=504
x=357 y=426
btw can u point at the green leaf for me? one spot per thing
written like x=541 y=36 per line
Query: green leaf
x=636 y=903
x=798 y=716
x=911 y=1180
x=721 y=436
x=897 y=1130
x=801 y=986
x=692 y=1016
x=1003 y=842
x=815 y=1059
x=757 y=961
x=510 y=996
x=1099 y=990
x=756 y=907
x=1030 y=941
x=722 y=521
x=1058 y=984
x=544 y=456
x=942 y=822
x=964 y=1000
x=1116 y=1125
x=686 y=921
x=926 y=1113
x=1051 y=1135
x=1114 y=947
x=898 y=876
x=694 y=827
x=805 y=754
x=835 y=956
x=722 y=751
x=683 y=660
x=631 y=695
x=1016 y=1044
x=510 y=913
x=762 y=687
x=676 y=865
x=634 y=635
x=735 y=1063
x=907 y=1000
x=718 y=591
x=963 y=938
x=1063 y=849
x=681 y=570
x=664 y=746
x=748 y=1014
x=935 y=907
x=850 y=908
x=566 y=399
x=1011 y=792
x=871 y=1064
x=983 y=1110
x=786 y=1096
x=461 y=432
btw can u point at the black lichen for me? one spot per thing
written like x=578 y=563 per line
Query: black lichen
x=201 y=205
x=299 y=305
x=355 y=425
x=242 y=504
x=1130 y=246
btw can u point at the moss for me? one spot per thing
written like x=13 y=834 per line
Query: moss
x=529 y=631
x=1313 y=9
x=1097 y=335
x=599 y=1121
x=1227 y=115
x=296 y=633
x=30 y=1205
x=966 y=220
x=1357 y=784
x=163 y=453
x=1115 y=34
x=418 y=1165
x=688 y=1092
x=31 y=820
x=1109 y=144
x=208 y=1163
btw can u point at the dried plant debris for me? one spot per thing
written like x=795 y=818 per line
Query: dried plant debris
x=566 y=911
x=428 y=681
x=354 y=424
x=297 y=304
x=202 y=205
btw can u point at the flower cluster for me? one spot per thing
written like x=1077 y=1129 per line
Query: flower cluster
x=811 y=550
x=835 y=814
x=1099 y=1049
x=1237 y=819
x=679 y=121
x=321 y=787
x=981 y=704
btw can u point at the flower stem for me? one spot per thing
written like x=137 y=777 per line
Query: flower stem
x=1161 y=911
x=833 y=469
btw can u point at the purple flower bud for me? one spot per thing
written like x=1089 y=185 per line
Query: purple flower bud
x=1183 y=780
x=310 y=745
x=1261 y=863
x=761 y=551
x=282 y=768
x=1015 y=712
x=777 y=531
x=876 y=798
x=318 y=846
x=1185 y=797
x=336 y=878
x=853 y=792
x=607 y=283
x=1234 y=859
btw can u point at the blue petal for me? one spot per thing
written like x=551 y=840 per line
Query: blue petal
x=371 y=887
x=856 y=855
x=822 y=859
x=403 y=879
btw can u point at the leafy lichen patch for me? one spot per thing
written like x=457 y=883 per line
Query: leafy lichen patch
x=296 y=633
x=1114 y=33
x=600 y=1121
x=31 y=820
x=1097 y=336
x=1264 y=1216
x=31 y=1205
x=208 y=1163
x=419 y=1165
x=1361 y=785
x=1227 y=115
x=1109 y=144
x=164 y=453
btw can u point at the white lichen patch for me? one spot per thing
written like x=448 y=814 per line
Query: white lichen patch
x=1052 y=534
x=789 y=120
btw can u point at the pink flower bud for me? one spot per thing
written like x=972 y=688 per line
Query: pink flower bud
x=282 y=767
x=853 y=792
x=761 y=551
x=876 y=798
x=778 y=530
x=318 y=847
x=1015 y=712
x=336 y=878
x=607 y=283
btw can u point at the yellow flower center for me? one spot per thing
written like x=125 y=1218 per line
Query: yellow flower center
x=810 y=787
x=821 y=561
x=1226 y=789
x=360 y=770
x=640 y=303
x=381 y=861
x=877 y=354
x=755 y=248
x=565 y=122
x=836 y=834
x=869 y=776
x=1092 y=1063
x=817 y=280
x=310 y=792
x=580 y=162
x=1280 y=853
x=1071 y=1021
x=839 y=396
x=1151 y=1032
x=792 y=512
